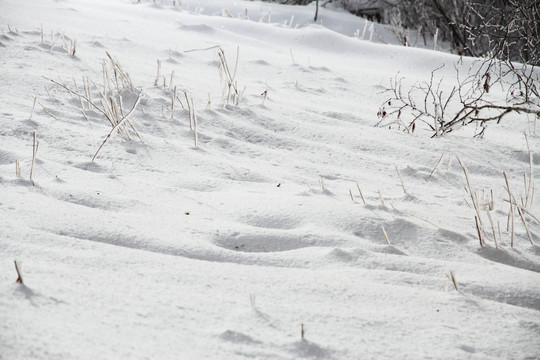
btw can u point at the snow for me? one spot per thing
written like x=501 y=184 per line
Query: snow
x=162 y=249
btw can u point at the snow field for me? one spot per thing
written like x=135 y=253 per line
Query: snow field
x=160 y=249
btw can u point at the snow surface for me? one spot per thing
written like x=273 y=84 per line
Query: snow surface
x=160 y=249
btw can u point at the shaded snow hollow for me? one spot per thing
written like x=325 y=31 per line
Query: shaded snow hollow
x=165 y=250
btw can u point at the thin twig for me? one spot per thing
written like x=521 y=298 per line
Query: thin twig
x=19 y=275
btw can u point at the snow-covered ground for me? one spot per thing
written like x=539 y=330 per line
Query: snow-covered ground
x=163 y=249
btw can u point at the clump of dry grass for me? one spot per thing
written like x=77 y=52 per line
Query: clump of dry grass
x=487 y=201
x=117 y=88
x=229 y=86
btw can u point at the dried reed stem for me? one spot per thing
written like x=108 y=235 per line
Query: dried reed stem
x=474 y=199
x=47 y=111
x=172 y=103
x=33 y=107
x=158 y=71
x=190 y=111
x=524 y=224
x=511 y=211
x=17 y=169
x=452 y=277
x=360 y=192
x=385 y=236
x=530 y=188
x=478 y=230
x=401 y=179
x=436 y=166
x=35 y=146
x=195 y=135
x=380 y=197
x=493 y=230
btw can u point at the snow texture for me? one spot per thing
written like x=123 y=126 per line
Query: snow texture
x=161 y=248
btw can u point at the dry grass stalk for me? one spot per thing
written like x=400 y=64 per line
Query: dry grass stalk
x=302 y=331
x=380 y=197
x=360 y=192
x=350 y=193
x=190 y=111
x=529 y=190
x=17 y=169
x=231 y=82
x=72 y=47
x=478 y=231
x=54 y=43
x=158 y=72
x=47 y=111
x=452 y=278
x=87 y=92
x=436 y=165
x=511 y=211
x=80 y=98
x=35 y=146
x=171 y=81
x=474 y=199
x=230 y=77
x=321 y=183
x=122 y=79
x=524 y=224
x=195 y=134
x=118 y=125
x=49 y=94
x=401 y=179
x=493 y=229
x=385 y=236
x=33 y=107
x=19 y=275
x=525 y=211
x=172 y=103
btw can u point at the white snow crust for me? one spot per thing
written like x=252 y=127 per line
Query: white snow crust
x=160 y=249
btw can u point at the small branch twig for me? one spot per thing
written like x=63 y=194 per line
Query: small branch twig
x=19 y=275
